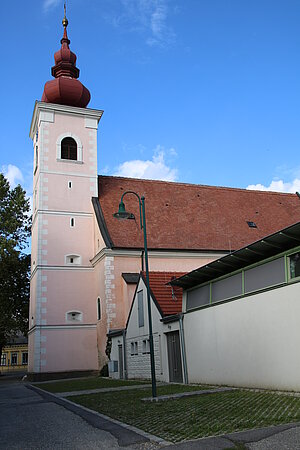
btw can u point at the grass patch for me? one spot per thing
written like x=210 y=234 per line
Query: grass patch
x=195 y=417
x=86 y=383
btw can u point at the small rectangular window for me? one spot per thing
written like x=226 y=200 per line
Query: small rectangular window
x=14 y=359
x=70 y=184
x=72 y=222
x=73 y=259
x=265 y=275
x=227 y=288
x=99 y=308
x=140 y=309
x=146 y=346
x=295 y=265
x=74 y=316
x=3 y=361
x=197 y=297
x=24 y=358
x=134 y=348
x=36 y=159
x=251 y=224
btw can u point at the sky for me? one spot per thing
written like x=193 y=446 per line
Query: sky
x=196 y=91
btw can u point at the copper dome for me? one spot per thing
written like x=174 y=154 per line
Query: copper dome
x=65 y=89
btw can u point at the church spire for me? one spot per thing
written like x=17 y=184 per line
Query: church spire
x=65 y=89
x=65 y=23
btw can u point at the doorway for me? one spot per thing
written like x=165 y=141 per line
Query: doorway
x=174 y=357
x=120 y=349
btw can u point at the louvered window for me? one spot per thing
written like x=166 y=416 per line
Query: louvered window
x=69 y=149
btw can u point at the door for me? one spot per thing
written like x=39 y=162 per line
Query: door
x=174 y=357
x=120 y=348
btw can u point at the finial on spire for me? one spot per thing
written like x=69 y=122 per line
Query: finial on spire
x=65 y=20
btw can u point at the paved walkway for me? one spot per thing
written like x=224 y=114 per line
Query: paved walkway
x=108 y=389
x=282 y=437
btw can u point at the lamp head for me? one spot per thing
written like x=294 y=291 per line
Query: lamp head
x=122 y=214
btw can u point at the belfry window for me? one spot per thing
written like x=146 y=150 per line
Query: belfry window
x=69 y=149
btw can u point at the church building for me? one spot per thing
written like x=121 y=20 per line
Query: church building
x=84 y=262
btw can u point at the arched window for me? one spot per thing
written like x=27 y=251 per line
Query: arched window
x=69 y=149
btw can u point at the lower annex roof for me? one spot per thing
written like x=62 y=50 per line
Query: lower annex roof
x=271 y=245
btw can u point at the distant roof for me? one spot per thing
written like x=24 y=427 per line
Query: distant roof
x=168 y=298
x=264 y=248
x=191 y=217
x=17 y=339
x=117 y=332
x=130 y=278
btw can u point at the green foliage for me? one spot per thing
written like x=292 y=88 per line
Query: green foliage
x=14 y=264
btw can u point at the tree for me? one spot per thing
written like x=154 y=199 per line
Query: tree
x=14 y=263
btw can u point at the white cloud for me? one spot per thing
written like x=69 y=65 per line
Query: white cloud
x=13 y=174
x=155 y=169
x=278 y=186
x=148 y=17
x=48 y=4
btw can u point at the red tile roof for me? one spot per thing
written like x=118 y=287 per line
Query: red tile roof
x=194 y=217
x=169 y=299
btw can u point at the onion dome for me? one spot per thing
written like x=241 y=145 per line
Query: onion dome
x=65 y=89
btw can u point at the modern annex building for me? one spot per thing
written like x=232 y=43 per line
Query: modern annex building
x=82 y=258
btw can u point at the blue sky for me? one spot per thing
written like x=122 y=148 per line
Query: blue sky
x=198 y=91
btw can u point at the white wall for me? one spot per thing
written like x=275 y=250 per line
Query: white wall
x=138 y=366
x=253 y=341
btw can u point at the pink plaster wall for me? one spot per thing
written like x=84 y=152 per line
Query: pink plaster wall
x=70 y=290
x=58 y=288
x=178 y=264
x=72 y=349
x=62 y=198
x=76 y=125
x=30 y=352
x=65 y=240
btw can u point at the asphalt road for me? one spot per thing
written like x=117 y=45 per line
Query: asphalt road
x=29 y=420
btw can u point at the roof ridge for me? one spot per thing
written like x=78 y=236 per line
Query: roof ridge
x=207 y=186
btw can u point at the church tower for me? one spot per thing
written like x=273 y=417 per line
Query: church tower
x=63 y=299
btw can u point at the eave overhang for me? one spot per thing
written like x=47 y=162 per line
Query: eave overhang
x=264 y=248
x=53 y=107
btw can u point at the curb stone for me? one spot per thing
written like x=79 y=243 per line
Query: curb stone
x=126 y=434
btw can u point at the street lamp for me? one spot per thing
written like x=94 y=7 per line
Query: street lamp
x=121 y=215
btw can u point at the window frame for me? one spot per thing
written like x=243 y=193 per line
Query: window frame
x=23 y=355
x=290 y=277
x=98 y=308
x=286 y=254
x=3 y=359
x=59 y=158
x=140 y=302
x=68 y=149
x=14 y=354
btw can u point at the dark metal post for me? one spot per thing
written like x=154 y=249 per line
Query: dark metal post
x=123 y=214
x=153 y=379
